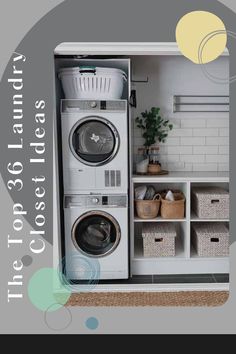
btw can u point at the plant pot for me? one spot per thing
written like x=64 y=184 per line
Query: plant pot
x=154 y=169
x=142 y=167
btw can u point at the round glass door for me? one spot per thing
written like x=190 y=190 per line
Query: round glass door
x=94 y=141
x=96 y=234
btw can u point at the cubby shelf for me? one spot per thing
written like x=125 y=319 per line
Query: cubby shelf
x=195 y=218
x=186 y=258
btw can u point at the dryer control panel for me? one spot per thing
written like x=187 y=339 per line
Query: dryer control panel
x=73 y=106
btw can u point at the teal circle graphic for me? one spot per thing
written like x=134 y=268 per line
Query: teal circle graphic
x=45 y=289
x=92 y=323
x=88 y=269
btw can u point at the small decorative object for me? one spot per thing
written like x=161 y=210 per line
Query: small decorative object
x=154 y=155
x=142 y=166
x=140 y=192
x=155 y=129
x=154 y=169
x=150 y=193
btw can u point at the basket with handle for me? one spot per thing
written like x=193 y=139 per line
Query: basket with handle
x=148 y=209
x=173 y=209
x=90 y=82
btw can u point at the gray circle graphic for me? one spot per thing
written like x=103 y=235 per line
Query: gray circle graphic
x=27 y=260
x=58 y=320
x=205 y=40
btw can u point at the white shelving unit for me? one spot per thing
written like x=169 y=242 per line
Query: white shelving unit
x=186 y=259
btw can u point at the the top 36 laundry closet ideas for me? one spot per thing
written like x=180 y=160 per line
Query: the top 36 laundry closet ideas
x=128 y=208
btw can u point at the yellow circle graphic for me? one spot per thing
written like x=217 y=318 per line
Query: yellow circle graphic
x=201 y=36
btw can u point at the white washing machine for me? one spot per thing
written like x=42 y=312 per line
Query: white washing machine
x=96 y=227
x=94 y=146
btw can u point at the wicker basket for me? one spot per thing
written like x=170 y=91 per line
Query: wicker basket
x=173 y=209
x=148 y=209
x=210 y=239
x=210 y=203
x=158 y=240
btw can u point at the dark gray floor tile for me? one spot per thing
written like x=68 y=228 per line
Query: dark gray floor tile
x=222 y=278
x=183 y=279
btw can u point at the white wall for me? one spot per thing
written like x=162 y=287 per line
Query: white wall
x=199 y=141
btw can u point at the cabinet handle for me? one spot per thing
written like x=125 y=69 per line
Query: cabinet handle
x=158 y=239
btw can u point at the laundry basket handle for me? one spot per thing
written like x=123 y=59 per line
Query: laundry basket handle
x=157 y=197
x=88 y=70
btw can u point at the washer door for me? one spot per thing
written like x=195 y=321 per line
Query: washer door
x=96 y=234
x=94 y=141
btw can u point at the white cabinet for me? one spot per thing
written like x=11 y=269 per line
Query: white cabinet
x=186 y=260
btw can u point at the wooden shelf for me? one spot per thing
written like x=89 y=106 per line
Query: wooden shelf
x=195 y=218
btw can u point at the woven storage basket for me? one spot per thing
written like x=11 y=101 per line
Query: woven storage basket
x=148 y=209
x=210 y=239
x=210 y=203
x=158 y=240
x=173 y=209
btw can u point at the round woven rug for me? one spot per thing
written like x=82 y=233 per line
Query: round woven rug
x=183 y=298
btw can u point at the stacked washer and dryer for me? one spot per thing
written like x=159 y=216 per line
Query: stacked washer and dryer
x=94 y=129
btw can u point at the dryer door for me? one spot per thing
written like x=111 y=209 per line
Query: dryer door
x=94 y=141
x=96 y=234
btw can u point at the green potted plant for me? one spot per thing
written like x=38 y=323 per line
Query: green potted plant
x=155 y=129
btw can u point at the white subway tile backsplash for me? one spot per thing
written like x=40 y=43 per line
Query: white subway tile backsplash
x=188 y=167
x=193 y=123
x=205 y=150
x=192 y=158
x=205 y=167
x=179 y=166
x=194 y=144
x=218 y=123
x=206 y=132
x=181 y=132
x=193 y=141
x=217 y=158
x=172 y=141
x=179 y=150
x=169 y=158
x=224 y=150
x=223 y=131
x=223 y=167
x=217 y=141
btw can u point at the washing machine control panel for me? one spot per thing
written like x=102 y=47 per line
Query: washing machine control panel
x=101 y=201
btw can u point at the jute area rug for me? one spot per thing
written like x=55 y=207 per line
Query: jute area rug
x=183 y=298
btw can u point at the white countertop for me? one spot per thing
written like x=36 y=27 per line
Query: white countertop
x=184 y=177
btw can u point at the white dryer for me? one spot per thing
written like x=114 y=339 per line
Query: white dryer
x=94 y=146
x=96 y=227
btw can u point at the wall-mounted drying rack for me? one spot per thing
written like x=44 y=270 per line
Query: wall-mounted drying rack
x=140 y=81
x=200 y=103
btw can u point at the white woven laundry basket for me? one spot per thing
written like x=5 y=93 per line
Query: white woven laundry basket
x=210 y=239
x=158 y=239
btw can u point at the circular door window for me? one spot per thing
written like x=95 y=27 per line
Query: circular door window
x=94 y=141
x=96 y=234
